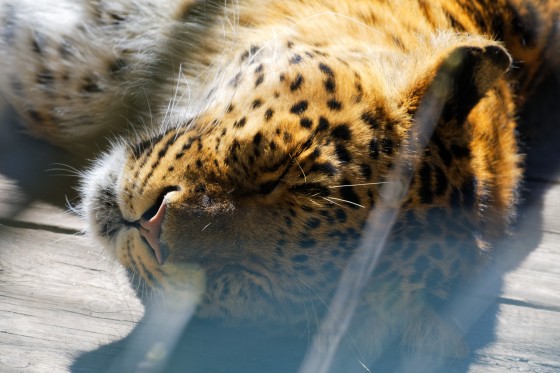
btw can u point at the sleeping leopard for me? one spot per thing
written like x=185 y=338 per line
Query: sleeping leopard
x=245 y=145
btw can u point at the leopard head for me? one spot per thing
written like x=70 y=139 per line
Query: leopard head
x=260 y=199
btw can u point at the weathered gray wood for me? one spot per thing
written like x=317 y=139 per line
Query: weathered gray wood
x=59 y=295
x=525 y=319
x=526 y=340
x=506 y=338
x=12 y=201
x=545 y=206
x=537 y=279
x=17 y=209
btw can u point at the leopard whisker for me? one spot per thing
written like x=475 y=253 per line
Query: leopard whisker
x=137 y=136
x=149 y=109
x=361 y=184
x=315 y=202
x=72 y=171
x=141 y=119
x=171 y=103
x=307 y=324
x=176 y=100
x=189 y=98
x=316 y=314
x=346 y=201
x=326 y=304
x=301 y=169
x=333 y=202
x=74 y=209
x=66 y=237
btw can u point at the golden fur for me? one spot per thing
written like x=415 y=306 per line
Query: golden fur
x=267 y=130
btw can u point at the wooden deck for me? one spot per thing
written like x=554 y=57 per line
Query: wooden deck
x=65 y=307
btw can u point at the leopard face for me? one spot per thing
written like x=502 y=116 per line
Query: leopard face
x=267 y=192
x=256 y=192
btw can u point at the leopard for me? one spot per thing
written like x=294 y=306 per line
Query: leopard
x=241 y=148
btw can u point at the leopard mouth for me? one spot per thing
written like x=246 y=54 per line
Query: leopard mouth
x=150 y=226
x=154 y=245
x=109 y=222
x=150 y=232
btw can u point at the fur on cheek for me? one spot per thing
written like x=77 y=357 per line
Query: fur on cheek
x=98 y=187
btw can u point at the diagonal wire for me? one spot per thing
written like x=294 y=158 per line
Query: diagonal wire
x=355 y=276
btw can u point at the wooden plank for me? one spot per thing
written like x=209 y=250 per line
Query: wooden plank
x=526 y=340
x=541 y=210
x=513 y=310
x=537 y=279
x=12 y=199
x=512 y=322
x=17 y=209
x=38 y=215
x=529 y=261
x=506 y=338
x=59 y=295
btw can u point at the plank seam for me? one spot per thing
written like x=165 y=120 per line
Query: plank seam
x=522 y=303
x=38 y=226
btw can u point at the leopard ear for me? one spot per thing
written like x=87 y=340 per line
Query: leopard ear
x=459 y=80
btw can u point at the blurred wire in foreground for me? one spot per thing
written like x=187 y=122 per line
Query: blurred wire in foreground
x=358 y=271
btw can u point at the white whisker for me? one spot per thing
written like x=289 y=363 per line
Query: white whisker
x=315 y=202
x=363 y=184
x=301 y=169
x=346 y=201
x=333 y=202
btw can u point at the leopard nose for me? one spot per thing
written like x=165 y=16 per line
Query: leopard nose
x=151 y=231
x=150 y=225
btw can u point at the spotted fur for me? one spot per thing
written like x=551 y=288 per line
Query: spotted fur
x=268 y=128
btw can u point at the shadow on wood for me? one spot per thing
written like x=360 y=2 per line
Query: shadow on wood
x=42 y=172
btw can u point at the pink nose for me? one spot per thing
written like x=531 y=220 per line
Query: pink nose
x=151 y=231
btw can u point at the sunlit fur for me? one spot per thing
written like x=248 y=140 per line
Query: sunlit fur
x=275 y=123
